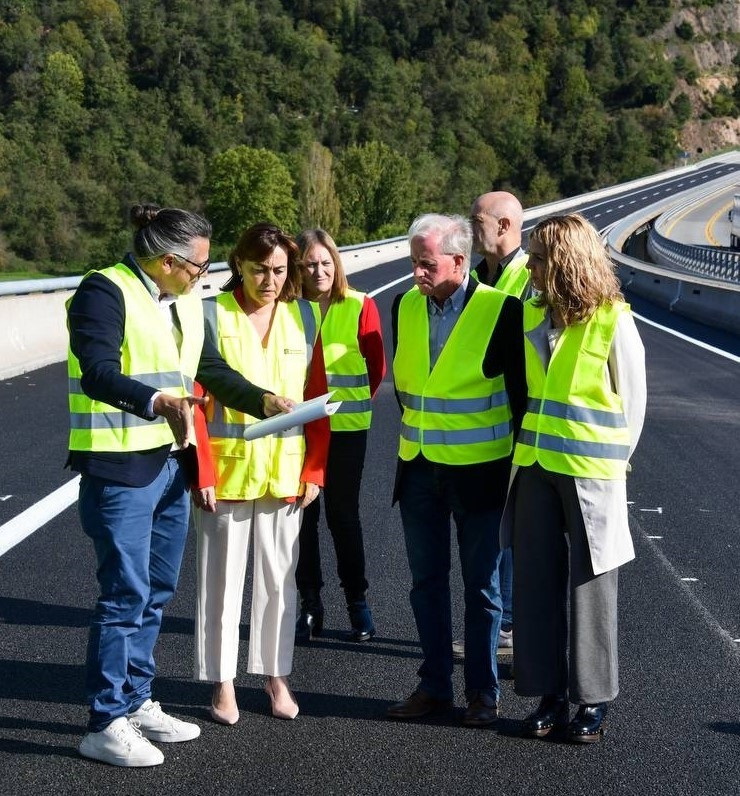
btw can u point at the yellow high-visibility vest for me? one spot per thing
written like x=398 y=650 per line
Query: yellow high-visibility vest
x=574 y=423
x=150 y=355
x=455 y=414
x=514 y=279
x=247 y=470
x=346 y=369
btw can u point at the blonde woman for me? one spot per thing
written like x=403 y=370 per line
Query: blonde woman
x=586 y=405
x=355 y=365
x=261 y=487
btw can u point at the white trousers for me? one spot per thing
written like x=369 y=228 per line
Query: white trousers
x=223 y=551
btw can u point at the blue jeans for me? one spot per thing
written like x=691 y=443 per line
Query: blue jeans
x=139 y=536
x=428 y=500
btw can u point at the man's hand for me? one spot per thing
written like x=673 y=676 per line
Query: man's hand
x=310 y=492
x=205 y=498
x=178 y=412
x=275 y=404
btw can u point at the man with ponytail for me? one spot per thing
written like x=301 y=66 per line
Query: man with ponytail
x=136 y=347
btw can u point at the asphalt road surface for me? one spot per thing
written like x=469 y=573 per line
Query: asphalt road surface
x=674 y=729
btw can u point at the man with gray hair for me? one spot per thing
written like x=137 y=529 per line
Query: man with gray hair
x=460 y=380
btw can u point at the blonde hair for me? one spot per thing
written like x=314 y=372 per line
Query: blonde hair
x=319 y=237
x=579 y=276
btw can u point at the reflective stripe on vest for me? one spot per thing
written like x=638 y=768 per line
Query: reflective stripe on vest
x=453 y=415
x=268 y=465
x=346 y=369
x=574 y=423
x=150 y=355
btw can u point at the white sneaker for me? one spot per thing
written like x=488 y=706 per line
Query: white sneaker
x=120 y=744
x=506 y=639
x=156 y=725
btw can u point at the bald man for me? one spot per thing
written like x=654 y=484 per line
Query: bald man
x=497 y=219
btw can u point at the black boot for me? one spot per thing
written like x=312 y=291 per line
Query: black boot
x=587 y=726
x=361 y=620
x=310 y=622
x=551 y=716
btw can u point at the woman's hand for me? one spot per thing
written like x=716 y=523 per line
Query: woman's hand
x=205 y=498
x=310 y=492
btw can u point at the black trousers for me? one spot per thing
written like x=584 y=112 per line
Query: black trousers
x=342 y=506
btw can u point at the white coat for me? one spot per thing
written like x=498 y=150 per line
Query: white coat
x=603 y=502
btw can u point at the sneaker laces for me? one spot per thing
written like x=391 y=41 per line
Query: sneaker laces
x=155 y=710
x=128 y=733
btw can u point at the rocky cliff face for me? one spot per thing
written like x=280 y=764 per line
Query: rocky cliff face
x=707 y=38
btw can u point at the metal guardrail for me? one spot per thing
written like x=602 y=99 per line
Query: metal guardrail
x=710 y=261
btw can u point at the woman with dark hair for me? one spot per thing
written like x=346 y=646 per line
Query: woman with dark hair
x=257 y=488
x=355 y=366
x=586 y=405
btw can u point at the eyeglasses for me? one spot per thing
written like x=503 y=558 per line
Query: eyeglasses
x=202 y=267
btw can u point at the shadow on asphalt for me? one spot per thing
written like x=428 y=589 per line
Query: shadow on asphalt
x=40 y=681
x=57 y=727
x=192 y=699
x=14 y=611
x=28 y=748
x=387 y=647
x=728 y=727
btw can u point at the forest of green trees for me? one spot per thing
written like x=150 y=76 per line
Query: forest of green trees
x=351 y=114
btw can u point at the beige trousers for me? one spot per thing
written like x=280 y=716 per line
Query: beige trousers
x=223 y=550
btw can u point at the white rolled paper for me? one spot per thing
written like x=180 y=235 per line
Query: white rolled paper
x=301 y=414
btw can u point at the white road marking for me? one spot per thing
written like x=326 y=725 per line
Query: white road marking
x=705 y=346
x=659 y=510
x=692 y=597
x=655 y=537
x=690 y=580
x=5 y=497
x=383 y=288
x=33 y=518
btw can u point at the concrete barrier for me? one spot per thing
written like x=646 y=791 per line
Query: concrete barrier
x=34 y=324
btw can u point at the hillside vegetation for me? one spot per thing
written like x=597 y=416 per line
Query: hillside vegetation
x=352 y=114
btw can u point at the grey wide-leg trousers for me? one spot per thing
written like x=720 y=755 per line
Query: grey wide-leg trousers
x=550 y=568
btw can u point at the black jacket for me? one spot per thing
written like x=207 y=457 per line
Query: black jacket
x=96 y=321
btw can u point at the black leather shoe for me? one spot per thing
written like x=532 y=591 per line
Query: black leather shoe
x=552 y=714
x=587 y=725
x=418 y=705
x=361 y=620
x=310 y=622
x=482 y=710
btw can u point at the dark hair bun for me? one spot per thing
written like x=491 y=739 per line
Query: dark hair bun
x=143 y=215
